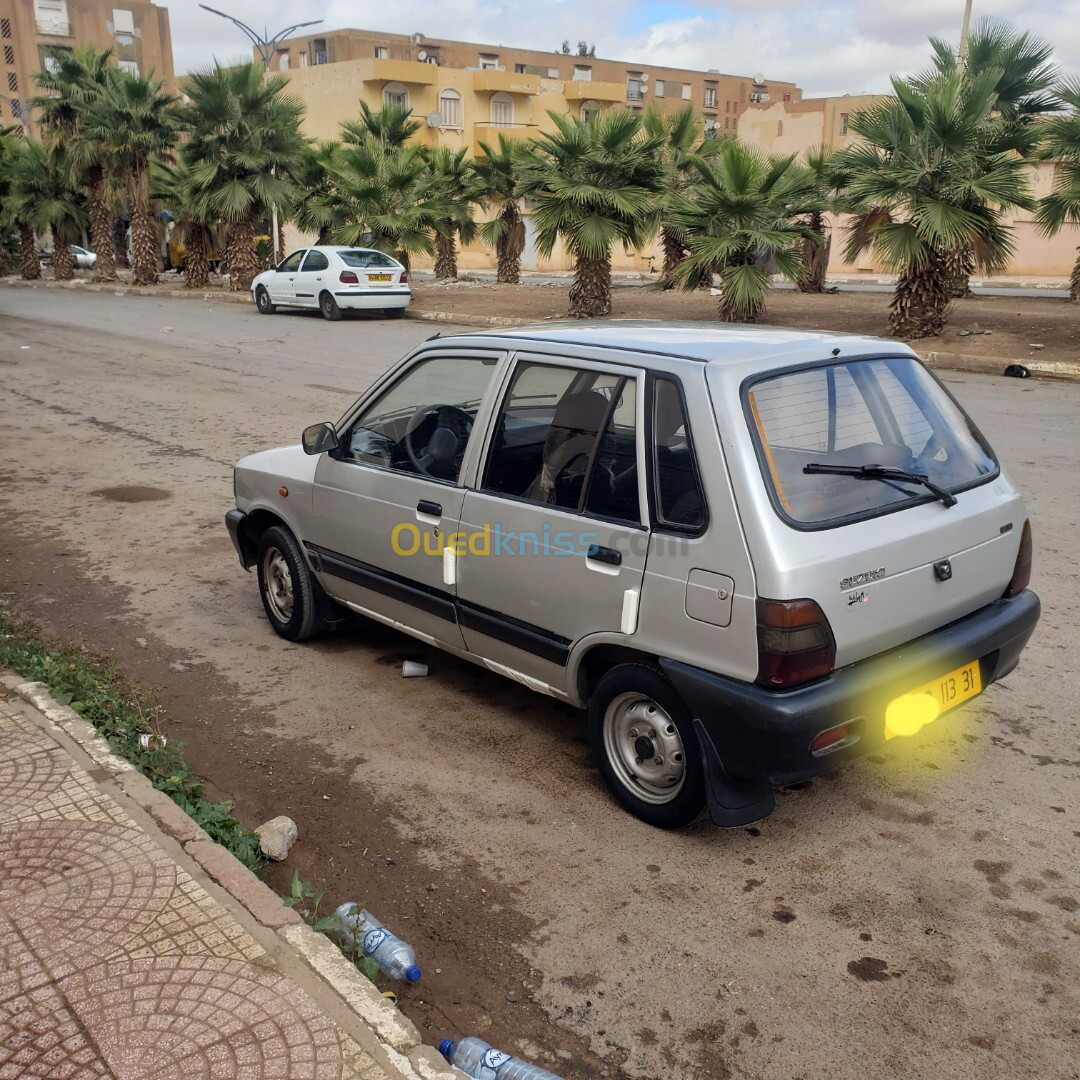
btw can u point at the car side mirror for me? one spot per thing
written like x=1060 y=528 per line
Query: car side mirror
x=319 y=438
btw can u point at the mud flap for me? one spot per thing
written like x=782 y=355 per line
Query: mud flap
x=731 y=802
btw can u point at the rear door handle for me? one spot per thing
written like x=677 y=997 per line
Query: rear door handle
x=431 y=509
x=606 y=555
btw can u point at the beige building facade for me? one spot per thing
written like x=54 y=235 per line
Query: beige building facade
x=137 y=31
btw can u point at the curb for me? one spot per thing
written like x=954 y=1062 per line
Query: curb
x=121 y=289
x=397 y=1037
x=996 y=365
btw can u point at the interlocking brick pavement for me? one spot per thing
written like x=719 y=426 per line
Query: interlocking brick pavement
x=116 y=963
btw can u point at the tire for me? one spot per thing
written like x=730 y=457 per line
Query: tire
x=394 y=312
x=262 y=301
x=634 y=709
x=329 y=307
x=291 y=597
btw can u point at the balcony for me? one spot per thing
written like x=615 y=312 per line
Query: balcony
x=505 y=82
x=485 y=131
x=585 y=90
x=410 y=72
x=54 y=28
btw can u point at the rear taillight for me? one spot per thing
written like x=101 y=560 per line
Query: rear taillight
x=404 y=279
x=347 y=277
x=1021 y=575
x=795 y=643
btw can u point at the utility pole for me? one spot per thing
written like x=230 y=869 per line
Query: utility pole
x=964 y=33
x=266 y=47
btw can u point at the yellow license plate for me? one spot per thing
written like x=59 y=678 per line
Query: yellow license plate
x=908 y=713
x=378 y=277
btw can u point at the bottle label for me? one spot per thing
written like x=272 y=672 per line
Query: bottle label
x=373 y=939
x=491 y=1062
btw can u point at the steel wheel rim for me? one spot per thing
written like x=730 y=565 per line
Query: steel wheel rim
x=327 y=304
x=278 y=585
x=630 y=721
x=261 y=298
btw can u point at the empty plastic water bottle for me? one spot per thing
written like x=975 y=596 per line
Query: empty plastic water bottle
x=396 y=958
x=477 y=1059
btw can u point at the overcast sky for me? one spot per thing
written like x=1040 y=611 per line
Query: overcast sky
x=825 y=46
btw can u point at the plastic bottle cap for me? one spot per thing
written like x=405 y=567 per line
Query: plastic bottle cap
x=446 y=1048
x=412 y=973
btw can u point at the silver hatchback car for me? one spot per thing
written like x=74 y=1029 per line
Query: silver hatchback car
x=751 y=554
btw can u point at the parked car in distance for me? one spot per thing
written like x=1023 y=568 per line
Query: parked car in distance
x=750 y=554
x=334 y=280
x=83 y=258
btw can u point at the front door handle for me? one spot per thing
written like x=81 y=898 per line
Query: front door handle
x=431 y=509
x=607 y=555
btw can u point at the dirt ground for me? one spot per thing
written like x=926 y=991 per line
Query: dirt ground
x=914 y=915
x=1014 y=323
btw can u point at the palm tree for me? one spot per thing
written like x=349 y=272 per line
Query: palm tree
x=457 y=189
x=42 y=195
x=389 y=192
x=315 y=210
x=7 y=231
x=1061 y=144
x=390 y=125
x=243 y=148
x=932 y=176
x=499 y=179
x=71 y=83
x=594 y=183
x=826 y=183
x=171 y=185
x=130 y=121
x=738 y=220
x=682 y=136
x=1024 y=93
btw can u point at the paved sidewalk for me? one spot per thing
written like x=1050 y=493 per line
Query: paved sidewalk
x=116 y=960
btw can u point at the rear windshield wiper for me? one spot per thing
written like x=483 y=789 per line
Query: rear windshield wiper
x=882 y=472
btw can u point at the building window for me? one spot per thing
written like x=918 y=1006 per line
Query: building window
x=583 y=73
x=283 y=61
x=710 y=97
x=16 y=108
x=5 y=30
x=382 y=52
x=589 y=109
x=395 y=93
x=502 y=110
x=634 y=91
x=319 y=48
x=489 y=62
x=843 y=123
x=123 y=21
x=303 y=58
x=9 y=55
x=450 y=107
x=12 y=82
x=129 y=66
x=787 y=97
x=687 y=89
x=658 y=88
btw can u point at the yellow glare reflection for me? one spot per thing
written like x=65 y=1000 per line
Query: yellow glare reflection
x=908 y=713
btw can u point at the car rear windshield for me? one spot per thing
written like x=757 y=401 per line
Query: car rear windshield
x=889 y=412
x=363 y=259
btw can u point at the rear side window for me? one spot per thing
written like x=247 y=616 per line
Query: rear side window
x=887 y=412
x=316 y=260
x=678 y=501
x=365 y=259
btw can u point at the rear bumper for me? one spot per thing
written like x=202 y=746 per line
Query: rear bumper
x=381 y=298
x=762 y=738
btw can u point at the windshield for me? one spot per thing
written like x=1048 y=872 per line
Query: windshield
x=887 y=412
x=364 y=259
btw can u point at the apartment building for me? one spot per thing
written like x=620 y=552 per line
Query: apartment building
x=137 y=33
x=400 y=67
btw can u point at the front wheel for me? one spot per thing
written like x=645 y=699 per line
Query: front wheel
x=262 y=301
x=290 y=595
x=642 y=736
x=329 y=307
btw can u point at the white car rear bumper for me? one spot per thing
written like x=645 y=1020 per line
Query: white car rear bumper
x=365 y=299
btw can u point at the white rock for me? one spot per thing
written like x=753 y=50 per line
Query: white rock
x=276 y=836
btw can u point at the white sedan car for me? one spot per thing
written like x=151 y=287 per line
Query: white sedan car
x=83 y=258
x=334 y=279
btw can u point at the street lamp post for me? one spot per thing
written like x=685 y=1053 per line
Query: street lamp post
x=964 y=33
x=266 y=47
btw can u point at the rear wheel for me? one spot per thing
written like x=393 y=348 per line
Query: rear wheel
x=329 y=308
x=642 y=735
x=290 y=595
x=394 y=312
x=262 y=301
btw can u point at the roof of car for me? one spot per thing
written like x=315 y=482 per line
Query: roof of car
x=703 y=341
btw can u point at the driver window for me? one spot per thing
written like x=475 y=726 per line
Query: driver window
x=291 y=264
x=422 y=423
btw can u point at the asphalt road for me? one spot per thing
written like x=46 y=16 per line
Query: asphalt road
x=915 y=915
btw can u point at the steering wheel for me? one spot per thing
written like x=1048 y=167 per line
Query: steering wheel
x=452 y=428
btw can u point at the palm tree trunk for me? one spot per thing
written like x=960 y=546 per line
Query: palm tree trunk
x=446 y=255
x=243 y=265
x=752 y=308
x=144 y=247
x=101 y=224
x=1074 y=280
x=674 y=253
x=62 y=263
x=29 y=267
x=324 y=236
x=959 y=266
x=119 y=244
x=510 y=245
x=197 y=257
x=4 y=268
x=815 y=258
x=921 y=302
x=590 y=295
